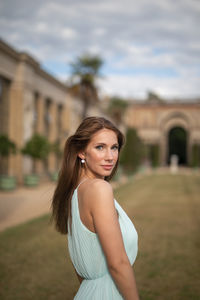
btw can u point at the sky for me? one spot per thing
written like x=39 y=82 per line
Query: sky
x=146 y=45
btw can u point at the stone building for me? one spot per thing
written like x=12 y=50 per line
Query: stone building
x=32 y=101
x=170 y=127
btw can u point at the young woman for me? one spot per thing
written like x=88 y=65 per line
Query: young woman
x=102 y=240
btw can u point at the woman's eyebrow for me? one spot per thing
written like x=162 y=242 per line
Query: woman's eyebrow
x=104 y=144
x=100 y=143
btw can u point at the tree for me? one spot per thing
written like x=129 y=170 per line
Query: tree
x=7 y=147
x=154 y=98
x=133 y=151
x=37 y=147
x=116 y=108
x=85 y=71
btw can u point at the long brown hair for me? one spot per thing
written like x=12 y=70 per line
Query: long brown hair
x=71 y=168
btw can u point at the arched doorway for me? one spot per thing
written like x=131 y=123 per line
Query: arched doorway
x=177 y=144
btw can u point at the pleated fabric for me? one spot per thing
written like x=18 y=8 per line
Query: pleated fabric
x=88 y=258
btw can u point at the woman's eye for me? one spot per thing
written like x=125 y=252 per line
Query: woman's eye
x=115 y=147
x=99 y=147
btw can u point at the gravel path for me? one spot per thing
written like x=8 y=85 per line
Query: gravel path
x=24 y=204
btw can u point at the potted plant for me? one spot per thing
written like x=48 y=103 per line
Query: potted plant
x=7 y=147
x=38 y=148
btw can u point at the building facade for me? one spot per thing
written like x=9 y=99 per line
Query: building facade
x=31 y=101
x=172 y=127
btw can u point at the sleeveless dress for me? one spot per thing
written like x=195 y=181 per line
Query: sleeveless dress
x=89 y=260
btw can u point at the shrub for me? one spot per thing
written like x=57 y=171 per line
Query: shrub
x=195 y=161
x=154 y=155
x=37 y=147
x=133 y=152
x=7 y=147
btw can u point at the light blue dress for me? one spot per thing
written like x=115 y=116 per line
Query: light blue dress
x=89 y=260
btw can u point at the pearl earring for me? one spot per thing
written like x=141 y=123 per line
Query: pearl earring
x=82 y=161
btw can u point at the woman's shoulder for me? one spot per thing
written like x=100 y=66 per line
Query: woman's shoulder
x=98 y=185
x=96 y=189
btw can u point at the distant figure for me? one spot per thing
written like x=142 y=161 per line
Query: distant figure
x=102 y=240
x=174 y=163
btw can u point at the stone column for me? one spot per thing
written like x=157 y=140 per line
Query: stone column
x=40 y=115
x=52 y=135
x=65 y=125
x=40 y=128
x=163 y=148
x=4 y=115
x=15 y=128
x=4 y=98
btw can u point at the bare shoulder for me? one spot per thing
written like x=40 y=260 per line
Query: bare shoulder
x=98 y=187
x=97 y=190
x=100 y=196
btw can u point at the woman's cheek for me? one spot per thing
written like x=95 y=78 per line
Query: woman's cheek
x=116 y=156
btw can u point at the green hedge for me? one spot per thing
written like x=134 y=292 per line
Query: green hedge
x=195 y=160
x=133 y=152
x=154 y=155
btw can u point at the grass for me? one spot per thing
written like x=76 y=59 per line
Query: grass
x=34 y=262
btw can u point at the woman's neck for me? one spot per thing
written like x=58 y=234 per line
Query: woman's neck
x=89 y=176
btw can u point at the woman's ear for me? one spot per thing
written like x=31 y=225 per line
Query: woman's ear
x=81 y=155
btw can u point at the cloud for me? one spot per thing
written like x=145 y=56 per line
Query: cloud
x=136 y=87
x=146 y=44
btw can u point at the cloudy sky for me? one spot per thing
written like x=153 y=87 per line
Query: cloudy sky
x=146 y=45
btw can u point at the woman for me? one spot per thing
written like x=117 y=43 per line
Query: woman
x=102 y=240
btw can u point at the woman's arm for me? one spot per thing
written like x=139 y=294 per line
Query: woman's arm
x=80 y=279
x=106 y=224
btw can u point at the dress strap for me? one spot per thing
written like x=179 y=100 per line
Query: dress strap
x=81 y=182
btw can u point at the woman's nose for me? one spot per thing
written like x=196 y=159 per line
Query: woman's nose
x=109 y=155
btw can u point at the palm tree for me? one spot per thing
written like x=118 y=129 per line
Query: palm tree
x=85 y=70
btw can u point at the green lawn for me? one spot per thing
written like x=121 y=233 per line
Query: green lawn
x=34 y=263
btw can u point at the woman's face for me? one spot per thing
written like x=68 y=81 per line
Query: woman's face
x=101 y=154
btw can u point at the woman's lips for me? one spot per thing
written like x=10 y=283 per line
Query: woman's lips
x=107 y=167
